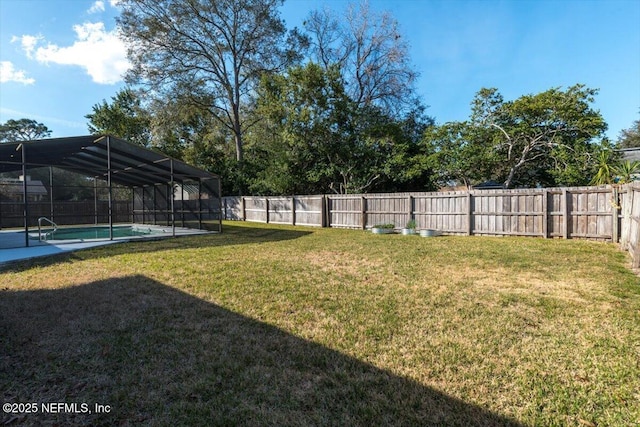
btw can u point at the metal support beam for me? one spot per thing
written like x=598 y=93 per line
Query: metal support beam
x=110 y=187
x=182 y=204
x=155 y=205
x=133 y=205
x=173 y=211
x=219 y=206
x=25 y=194
x=200 y=204
x=95 y=200
x=51 y=212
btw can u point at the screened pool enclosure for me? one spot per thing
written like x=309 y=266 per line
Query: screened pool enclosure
x=102 y=181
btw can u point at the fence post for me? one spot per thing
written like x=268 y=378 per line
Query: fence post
x=615 y=206
x=266 y=207
x=469 y=213
x=363 y=212
x=565 y=213
x=410 y=208
x=293 y=210
x=626 y=218
x=545 y=213
x=243 y=208
x=325 y=220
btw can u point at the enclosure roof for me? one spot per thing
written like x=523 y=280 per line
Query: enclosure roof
x=131 y=165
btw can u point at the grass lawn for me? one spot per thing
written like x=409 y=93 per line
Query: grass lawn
x=275 y=325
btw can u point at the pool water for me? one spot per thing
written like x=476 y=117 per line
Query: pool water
x=84 y=233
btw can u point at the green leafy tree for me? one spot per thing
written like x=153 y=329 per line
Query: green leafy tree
x=555 y=131
x=23 y=130
x=191 y=134
x=407 y=166
x=305 y=113
x=550 y=138
x=630 y=138
x=209 y=54
x=124 y=118
x=315 y=138
x=460 y=154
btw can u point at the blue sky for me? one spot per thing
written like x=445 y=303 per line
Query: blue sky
x=58 y=58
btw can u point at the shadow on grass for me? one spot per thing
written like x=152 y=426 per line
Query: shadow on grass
x=159 y=356
x=245 y=233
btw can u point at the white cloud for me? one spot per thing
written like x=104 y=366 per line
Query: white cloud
x=8 y=73
x=101 y=53
x=97 y=7
x=114 y=3
x=28 y=43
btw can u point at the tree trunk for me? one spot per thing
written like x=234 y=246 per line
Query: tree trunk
x=237 y=128
x=239 y=149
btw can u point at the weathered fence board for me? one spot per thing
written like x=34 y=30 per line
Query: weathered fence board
x=630 y=222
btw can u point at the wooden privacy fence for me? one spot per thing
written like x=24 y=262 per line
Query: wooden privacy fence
x=629 y=204
x=599 y=213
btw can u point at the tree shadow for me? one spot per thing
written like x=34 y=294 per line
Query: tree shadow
x=231 y=235
x=158 y=356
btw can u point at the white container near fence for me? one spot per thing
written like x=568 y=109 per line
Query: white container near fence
x=429 y=233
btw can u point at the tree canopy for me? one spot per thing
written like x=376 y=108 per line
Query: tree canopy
x=370 y=53
x=23 y=130
x=209 y=54
x=316 y=138
x=124 y=118
x=549 y=138
x=630 y=138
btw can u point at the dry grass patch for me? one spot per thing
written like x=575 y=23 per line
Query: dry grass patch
x=283 y=326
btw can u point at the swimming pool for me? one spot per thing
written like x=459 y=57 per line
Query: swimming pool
x=99 y=232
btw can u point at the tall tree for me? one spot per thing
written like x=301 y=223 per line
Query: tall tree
x=305 y=113
x=630 y=138
x=553 y=131
x=23 y=130
x=550 y=138
x=124 y=118
x=371 y=53
x=315 y=138
x=208 y=53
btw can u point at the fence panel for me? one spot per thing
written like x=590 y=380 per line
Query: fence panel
x=630 y=224
x=309 y=210
x=280 y=210
x=625 y=202
x=446 y=212
x=387 y=209
x=346 y=211
x=232 y=208
x=255 y=209
x=596 y=213
x=591 y=214
x=512 y=213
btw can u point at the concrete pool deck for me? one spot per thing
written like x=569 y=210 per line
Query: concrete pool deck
x=12 y=243
x=19 y=254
